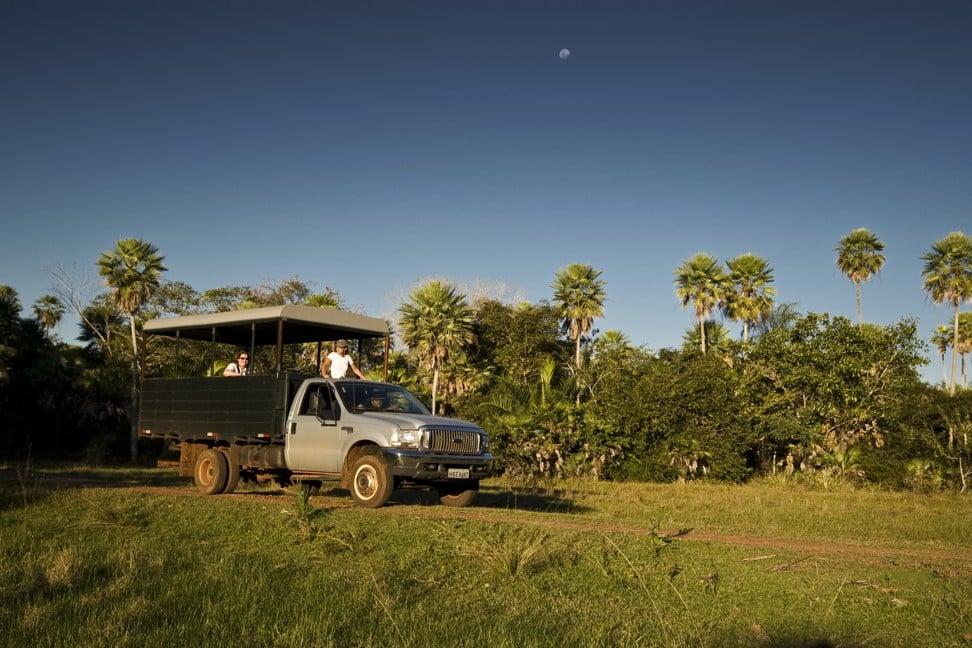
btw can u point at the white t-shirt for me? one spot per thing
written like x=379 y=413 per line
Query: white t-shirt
x=339 y=364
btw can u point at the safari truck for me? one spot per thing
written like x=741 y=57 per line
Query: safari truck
x=371 y=437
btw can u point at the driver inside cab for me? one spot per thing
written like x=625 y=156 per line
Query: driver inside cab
x=379 y=402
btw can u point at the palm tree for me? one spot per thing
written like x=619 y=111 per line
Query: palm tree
x=613 y=341
x=48 y=310
x=782 y=316
x=859 y=256
x=749 y=298
x=9 y=307
x=436 y=322
x=965 y=343
x=547 y=368
x=717 y=337
x=132 y=272
x=942 y=339
x=948 y=279
x=700 y=281
x=328 y=299
x=579 y=296
x=9 y=325
x=100 y=323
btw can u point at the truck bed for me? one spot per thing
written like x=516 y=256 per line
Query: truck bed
x=251 y=409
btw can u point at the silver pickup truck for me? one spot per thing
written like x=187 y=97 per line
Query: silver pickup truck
x=370 y=437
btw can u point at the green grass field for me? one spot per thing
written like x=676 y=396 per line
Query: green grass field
x=137 y=558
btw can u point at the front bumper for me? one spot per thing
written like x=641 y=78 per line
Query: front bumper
x=425 y=467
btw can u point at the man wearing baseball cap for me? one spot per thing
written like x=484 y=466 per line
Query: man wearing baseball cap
x=337 y=362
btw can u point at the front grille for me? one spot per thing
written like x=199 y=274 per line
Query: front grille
x=457 y=442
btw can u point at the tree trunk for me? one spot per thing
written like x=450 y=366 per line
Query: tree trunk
x=577 y=361
x=955 y=343
x=133 y=406
x=577 y=357
x=133 y=419
x=435 y=388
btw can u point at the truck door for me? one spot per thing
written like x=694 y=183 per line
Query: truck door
x=313 y=442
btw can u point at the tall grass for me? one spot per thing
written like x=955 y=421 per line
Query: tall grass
x=579 y=564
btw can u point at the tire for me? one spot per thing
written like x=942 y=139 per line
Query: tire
x=371 y=485
x=459 y=495
x=233 y=472
x=211 y=472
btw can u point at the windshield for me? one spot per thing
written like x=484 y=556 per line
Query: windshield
x=365 y=396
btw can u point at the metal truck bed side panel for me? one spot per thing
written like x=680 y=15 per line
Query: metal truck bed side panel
x=230 y=408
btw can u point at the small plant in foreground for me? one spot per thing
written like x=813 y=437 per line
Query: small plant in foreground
x=314 y=524
x=24 y=477
x=510 y=557
x=304 y=512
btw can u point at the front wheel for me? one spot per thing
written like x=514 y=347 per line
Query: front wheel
x=211 y=472
x=459 y=495
x=371 y=485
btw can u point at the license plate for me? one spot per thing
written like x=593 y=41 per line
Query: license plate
x=458 y=473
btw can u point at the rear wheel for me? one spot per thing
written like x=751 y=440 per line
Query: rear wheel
x=371 y=485
x=233 y=472
x=211 y=472
x=460 y=494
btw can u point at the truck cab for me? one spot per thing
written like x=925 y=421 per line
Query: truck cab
x=336 y=425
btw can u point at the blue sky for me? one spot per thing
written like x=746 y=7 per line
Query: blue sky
x=369 y=146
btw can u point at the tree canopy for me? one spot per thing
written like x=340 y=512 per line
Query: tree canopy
x=805 y=394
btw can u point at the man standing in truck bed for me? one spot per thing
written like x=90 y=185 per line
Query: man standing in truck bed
x=337 y=362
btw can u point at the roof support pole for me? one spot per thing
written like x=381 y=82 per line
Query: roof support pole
x=249 y=369
x=178 y=353
x=387 y=349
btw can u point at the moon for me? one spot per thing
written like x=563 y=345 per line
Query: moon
x=564 y=53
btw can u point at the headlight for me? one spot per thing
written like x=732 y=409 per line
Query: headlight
x=406 y=438
x=484 y=443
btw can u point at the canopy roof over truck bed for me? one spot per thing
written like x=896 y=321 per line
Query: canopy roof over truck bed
x=273 y=325
x=261 y=326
